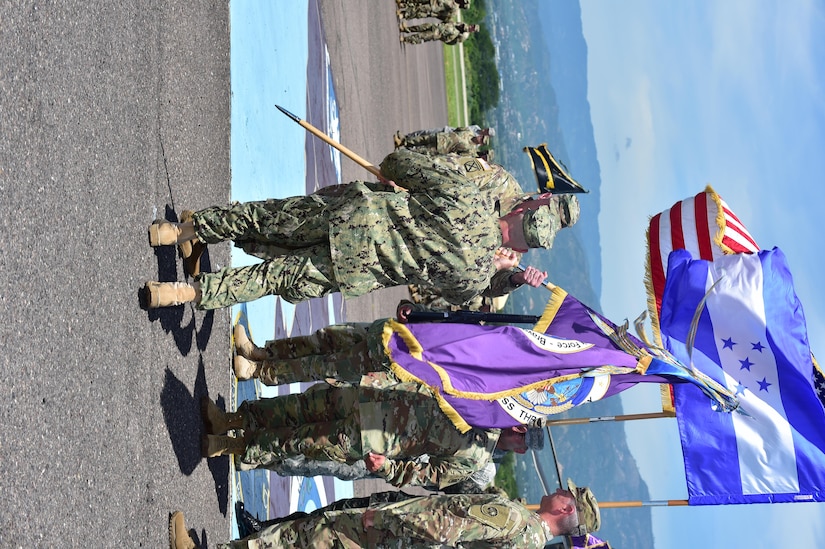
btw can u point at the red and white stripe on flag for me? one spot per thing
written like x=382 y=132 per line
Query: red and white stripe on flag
x=704 y=225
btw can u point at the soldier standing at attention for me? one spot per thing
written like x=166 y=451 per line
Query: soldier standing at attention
x=387 y=428
x=450 y=33
x=444 y=231
x=445 y=10
x=462 y=520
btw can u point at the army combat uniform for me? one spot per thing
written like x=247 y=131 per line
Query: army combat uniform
x=450 y=33
x=463 y=521
x=458 y=140
x=446 y=10
x=443 y=232
x=345 y=424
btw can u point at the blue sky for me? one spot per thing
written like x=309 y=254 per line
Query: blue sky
x=732 y=94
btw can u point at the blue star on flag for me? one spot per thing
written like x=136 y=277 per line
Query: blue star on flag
x=728 y=343
x=740 y=389
x=746 y=364
x=763 y=385
x=757 y=346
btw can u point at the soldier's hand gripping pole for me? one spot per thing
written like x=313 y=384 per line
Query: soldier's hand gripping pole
x=332 y=143
x=546 y=283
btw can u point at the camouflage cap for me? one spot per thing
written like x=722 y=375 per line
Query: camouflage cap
x=569 y=209
x=541 y=225
x=586 y=506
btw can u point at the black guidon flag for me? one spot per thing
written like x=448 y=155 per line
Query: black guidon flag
x=551 y=175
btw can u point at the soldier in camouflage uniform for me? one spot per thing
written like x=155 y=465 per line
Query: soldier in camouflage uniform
x=461 y=140
x=444 y=232
x=461 y=521
x=445 y=10
x=388 y=428
x=450 y=33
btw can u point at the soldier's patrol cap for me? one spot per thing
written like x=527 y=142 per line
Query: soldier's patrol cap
x=587 y=508
x=542 y=224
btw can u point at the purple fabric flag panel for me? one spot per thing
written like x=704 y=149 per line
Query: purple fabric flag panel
x=504 y=376
x=751 y=337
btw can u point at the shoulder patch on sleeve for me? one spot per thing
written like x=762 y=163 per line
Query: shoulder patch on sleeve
x=497 y=516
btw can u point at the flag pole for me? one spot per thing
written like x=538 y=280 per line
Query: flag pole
x=629 y=504
x=332 y=143
x=597 y=419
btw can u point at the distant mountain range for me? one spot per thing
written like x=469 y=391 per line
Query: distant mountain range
x=542 y=63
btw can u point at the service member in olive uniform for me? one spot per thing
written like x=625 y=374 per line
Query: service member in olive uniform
x=450 y=33
x=389 y=429
x=461 y=521
x=445 y=10
x=443 y=230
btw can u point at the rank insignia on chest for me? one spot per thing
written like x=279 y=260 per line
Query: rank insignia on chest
x=492 y=515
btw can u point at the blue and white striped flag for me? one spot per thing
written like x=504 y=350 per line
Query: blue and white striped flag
x=752 y=338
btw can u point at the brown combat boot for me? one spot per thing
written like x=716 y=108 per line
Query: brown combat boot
x=179 y=537
x=169 y=294
x=219 y=445
x=216 y=420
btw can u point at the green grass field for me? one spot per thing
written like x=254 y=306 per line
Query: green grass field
x=455 y=86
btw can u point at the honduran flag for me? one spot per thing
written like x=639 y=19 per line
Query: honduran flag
x=751 y=336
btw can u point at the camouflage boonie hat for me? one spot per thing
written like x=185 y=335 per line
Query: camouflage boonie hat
x=541 y=225
x=587 y=508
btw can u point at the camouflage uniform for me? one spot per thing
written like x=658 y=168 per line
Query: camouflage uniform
x=445 y=10
x=458 y=140
x=506 y=193
x=443 y=232
x=344 y=352
x=345 y=424
x=463 y=521
x=450 y=33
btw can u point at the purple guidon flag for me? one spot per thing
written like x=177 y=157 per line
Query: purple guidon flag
x=750 y=336
x=504 y=376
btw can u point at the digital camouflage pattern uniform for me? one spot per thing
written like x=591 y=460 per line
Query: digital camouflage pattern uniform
x=443 y=232
x=506 y=192
x=463 y=521
x=450 y=33
x=345 y=424
x=458 y=141
x=445 y=10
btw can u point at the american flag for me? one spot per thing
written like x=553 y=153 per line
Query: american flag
x=703 y=225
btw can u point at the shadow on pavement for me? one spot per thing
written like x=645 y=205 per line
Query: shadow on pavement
x=181 y=413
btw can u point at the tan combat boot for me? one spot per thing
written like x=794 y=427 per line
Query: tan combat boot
x=216 y=420
x=245 y=346
x=179 y=537
x=191 y=250
x=169 y=294
x=245 y=369
x=219 y=445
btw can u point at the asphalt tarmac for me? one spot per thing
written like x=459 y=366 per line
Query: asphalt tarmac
x=113 y=114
